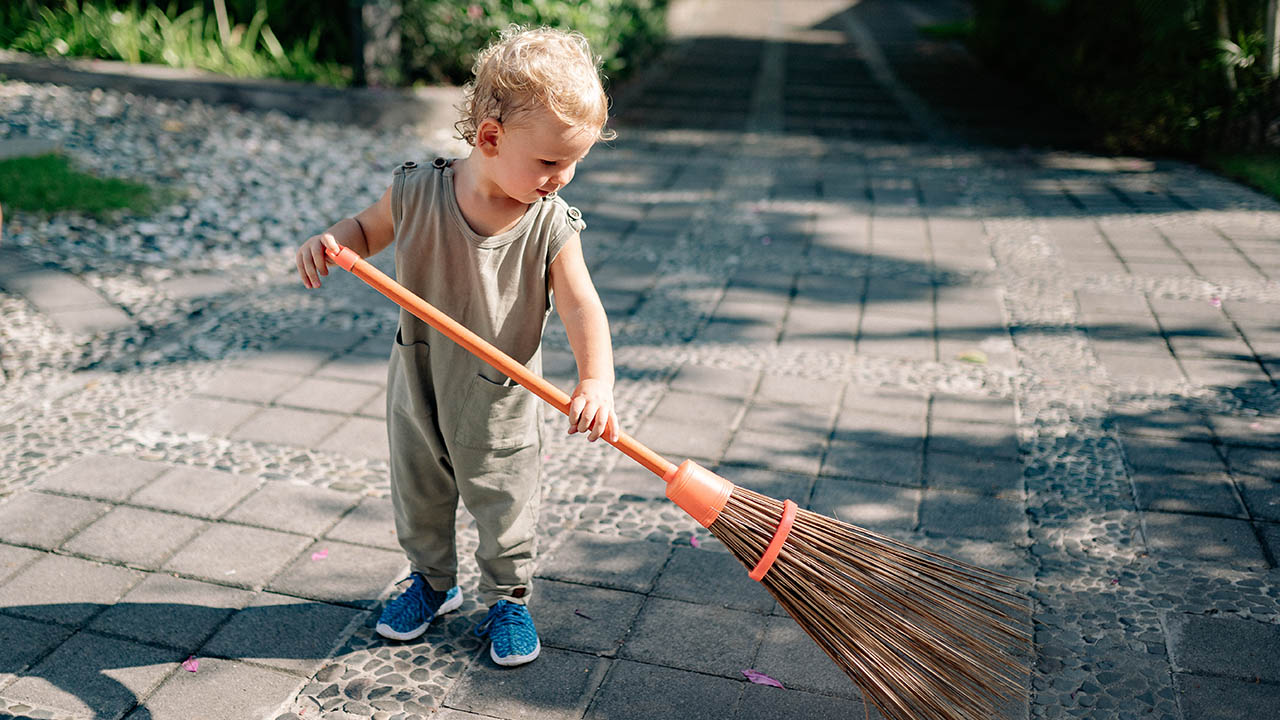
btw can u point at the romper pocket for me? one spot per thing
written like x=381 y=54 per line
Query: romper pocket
x=409 y=379
x=497 y=417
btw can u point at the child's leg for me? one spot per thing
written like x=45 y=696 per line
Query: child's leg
x=424 y=492
x=502 y=491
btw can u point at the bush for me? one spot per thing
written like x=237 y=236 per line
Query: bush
x=179 y=38
x=1148 y=75
x=441 y=37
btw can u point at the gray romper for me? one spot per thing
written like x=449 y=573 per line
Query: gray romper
x=457 y=427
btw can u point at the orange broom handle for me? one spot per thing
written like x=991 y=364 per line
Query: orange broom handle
x=483 y=349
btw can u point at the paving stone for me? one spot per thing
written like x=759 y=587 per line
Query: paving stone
x=684 y=439
x=638 y=690
x=605 y=561
x=983 y=439
x=195 y=491
x=246 y=557
x=46 y=521
x=1255 y=461
x=348 y=574
x=1208 y=539
x=1261 y=496
x=282 y=632
x=248 y=385
x=685 y=406
x=1230 y=647
x=874 y=463
x=359 y=366
x=715 y=381
x=1258 y=431
x=1155 y=365
x=1214 y=698
x=372 y=522
x=1229 y=373
x=788 y=452
x=697 y=637
x=13 y=558
x=103 y=477
x=777 y=485
x=970 y=409
x=761 y=702
x=793 y=419
x=877 y=507
x=94 y=675
x=1158 y=454
x=559 y=609
x=377 y=407
x=328 y=394
x=360 y=438
x=289 y=360
x=24 y=642
x=293 y=507
x=65 y=590
x=170 y=611
x=875 y=428
x=1270 y=533
x=707 y=577
x=795 y=660
x=133 y=536
x=1168 y=423
x=944 y=512
x=558 y=686
x=220 y=689
x=634 y=483
x=203 y=416
x=52 y=290
x=795 y=390
x=285 y=426
x=1169 y=492
x=980 y=474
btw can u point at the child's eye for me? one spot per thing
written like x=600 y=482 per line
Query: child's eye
x=549 y=163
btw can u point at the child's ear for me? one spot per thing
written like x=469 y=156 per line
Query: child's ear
x=488 y=136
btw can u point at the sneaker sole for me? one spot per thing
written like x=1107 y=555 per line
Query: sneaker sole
x=389 y=633
x=513 y=660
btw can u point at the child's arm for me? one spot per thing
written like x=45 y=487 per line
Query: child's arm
x=368 y=233
x=591 y=403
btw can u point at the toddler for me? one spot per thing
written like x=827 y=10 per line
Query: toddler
x=487 y=240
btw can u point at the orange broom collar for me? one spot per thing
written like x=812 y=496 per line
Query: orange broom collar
x=775 y=545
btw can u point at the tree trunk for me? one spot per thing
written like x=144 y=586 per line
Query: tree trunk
x=1224 y=33
x=1273 y=39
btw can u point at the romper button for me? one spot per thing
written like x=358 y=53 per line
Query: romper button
x=409 y=164
x=575 y=213
x=439 y=163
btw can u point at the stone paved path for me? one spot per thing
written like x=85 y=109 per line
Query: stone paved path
x=822 y=281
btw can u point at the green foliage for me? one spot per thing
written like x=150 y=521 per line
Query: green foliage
x=48 y=183
x=442 y=37
x=1147 y=75
x=1261 y=171
x=959 y=30
x=188 y=38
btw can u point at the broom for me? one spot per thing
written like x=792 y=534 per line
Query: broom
x=922 y=635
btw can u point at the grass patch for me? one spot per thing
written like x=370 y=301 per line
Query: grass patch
x=1259 y=171
x=48 y=183
x=958 y=30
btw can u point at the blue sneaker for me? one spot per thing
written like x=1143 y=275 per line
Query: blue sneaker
x=409 y=615
x=510 y=627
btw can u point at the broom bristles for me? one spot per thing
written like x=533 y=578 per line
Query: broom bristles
x=922 y=635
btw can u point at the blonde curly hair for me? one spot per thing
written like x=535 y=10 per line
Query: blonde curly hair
x=532 y=69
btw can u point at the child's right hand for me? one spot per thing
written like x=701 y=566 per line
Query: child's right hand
x=312 y=262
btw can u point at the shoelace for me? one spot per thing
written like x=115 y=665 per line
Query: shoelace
x=503 y=615
x=413 y=600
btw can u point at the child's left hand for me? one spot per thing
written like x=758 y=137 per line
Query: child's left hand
x=591 y=410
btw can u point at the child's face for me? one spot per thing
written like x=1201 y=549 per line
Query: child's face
x=538 y=155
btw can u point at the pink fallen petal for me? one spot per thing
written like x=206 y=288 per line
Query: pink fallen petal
x=1215 y=301
x=1255 y=426
x=694 y=541
x=191 y=664
x=760 y=678
x=320 y=554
